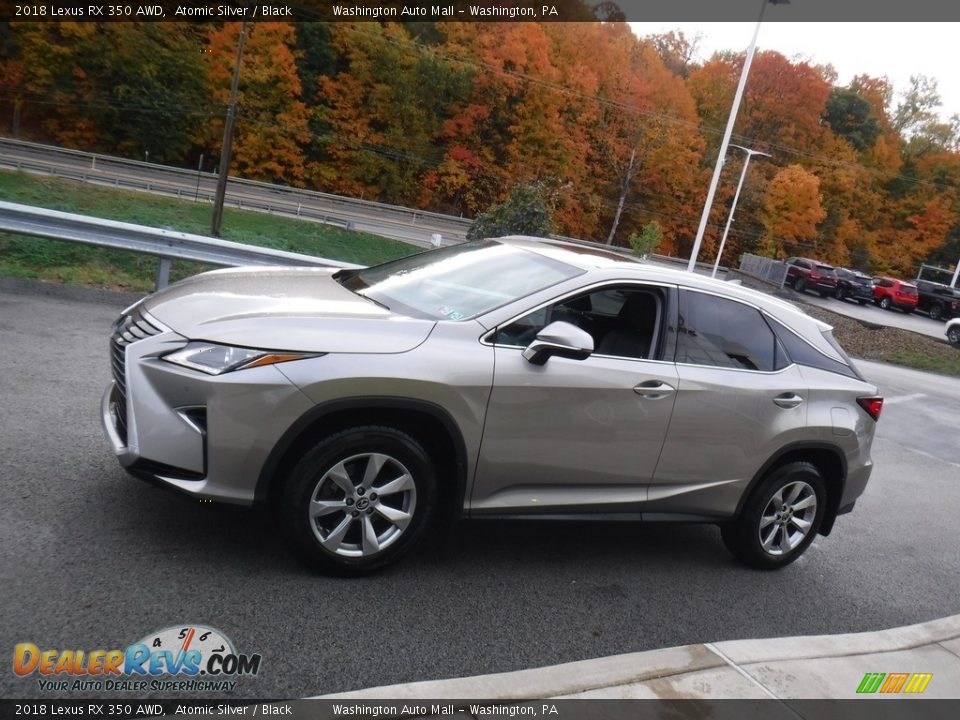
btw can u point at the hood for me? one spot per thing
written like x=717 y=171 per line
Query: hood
x=301 y=309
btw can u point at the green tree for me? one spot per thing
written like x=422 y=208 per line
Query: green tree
x=648 y=240
x=526 y=211
x=849 y=116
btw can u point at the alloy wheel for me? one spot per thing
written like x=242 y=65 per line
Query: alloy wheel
x=787 y=518
x=362 y=505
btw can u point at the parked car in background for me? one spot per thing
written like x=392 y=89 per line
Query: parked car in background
x=953 y=332
x=937 y=300
x=514 y=377
x=805 y=274
x=854 y=285
x=892 y=293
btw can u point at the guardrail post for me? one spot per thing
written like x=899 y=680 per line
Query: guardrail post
x=163 y=273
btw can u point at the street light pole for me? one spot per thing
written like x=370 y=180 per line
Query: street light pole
x=226 y=148
x=726 y=136
x=736 y=196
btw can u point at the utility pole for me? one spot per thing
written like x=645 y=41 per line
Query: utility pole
x=746 y=163
x=691 y=266
x=226 y=149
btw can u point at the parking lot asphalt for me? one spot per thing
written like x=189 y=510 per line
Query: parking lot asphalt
x=90 y=558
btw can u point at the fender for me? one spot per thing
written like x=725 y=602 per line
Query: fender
x=797 y=448
x=367 y=402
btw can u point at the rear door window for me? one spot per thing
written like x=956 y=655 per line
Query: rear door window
x=724 y=333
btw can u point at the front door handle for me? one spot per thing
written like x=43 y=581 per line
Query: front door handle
x=788 y=400
x=653 y=389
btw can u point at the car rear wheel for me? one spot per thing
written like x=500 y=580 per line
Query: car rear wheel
x=936 y=312
x=800 y=285
x=780 y=519
x=885 y=303
x=953 y=335
x=358 y=500
x=839 y=294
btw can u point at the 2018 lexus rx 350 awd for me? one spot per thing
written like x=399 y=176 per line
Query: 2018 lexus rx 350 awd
x=513 y=377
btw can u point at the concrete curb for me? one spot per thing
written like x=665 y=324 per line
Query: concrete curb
x=823 y=666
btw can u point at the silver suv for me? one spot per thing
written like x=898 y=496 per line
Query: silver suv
x=514 y=377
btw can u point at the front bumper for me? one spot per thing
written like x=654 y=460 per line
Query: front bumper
x=206 y=436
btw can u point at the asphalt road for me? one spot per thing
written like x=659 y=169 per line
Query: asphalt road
x=90 y=558
x=914 y=322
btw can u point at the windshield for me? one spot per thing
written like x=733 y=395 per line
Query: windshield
x=458 y=282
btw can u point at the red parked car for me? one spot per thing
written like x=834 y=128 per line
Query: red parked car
x=806 y=274
x=889 y=292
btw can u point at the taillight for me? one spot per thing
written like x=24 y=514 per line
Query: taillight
x=873 y=406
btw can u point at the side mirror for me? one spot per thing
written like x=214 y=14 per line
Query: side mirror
x=562 y=339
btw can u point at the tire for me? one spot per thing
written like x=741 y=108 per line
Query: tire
x=885 y=303
x=936 y=312
x=839 y=294
x=800 y=284
x=358 y=530
x=953 y=335
x=748 y=537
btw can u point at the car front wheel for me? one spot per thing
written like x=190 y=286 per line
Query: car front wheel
x=953 y=335
x=358 y=500
x=885 y=303
x=780 y=519
x=800 y=285
x=936 y=312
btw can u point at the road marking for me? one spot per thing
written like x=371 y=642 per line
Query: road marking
x=904 y=398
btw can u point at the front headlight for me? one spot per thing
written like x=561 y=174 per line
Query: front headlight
x=216 y=359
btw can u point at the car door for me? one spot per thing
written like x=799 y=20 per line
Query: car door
x=739 y=400
x=573 y=434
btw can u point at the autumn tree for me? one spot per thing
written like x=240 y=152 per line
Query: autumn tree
x=791 y=211
x=124 y=88
x=383 y=110
x=272 y=124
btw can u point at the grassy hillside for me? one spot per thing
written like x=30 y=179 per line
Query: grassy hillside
x=75 y=263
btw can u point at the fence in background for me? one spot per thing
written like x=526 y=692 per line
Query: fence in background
x=764 y=268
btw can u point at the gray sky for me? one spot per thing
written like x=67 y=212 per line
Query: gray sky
x=893 y=50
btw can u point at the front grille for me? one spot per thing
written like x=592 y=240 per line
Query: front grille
x=127 y=330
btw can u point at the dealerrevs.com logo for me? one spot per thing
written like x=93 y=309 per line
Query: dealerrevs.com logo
x=183 y=658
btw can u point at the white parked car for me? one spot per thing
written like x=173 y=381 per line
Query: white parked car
x=953 y=331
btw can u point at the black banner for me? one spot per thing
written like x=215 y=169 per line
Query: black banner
x=852 y=11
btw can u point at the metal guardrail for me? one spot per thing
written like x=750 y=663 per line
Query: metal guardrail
x=250 y=194
x=165 y=244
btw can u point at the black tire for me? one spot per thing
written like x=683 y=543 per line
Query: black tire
x=839 y=294
x=800 y=285
x=885 y=303
x=953 y=335
x=743 y=535
x=936 y=311
x=357 y=537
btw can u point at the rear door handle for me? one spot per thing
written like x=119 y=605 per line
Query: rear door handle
x=653 y=389
x=788 y=400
